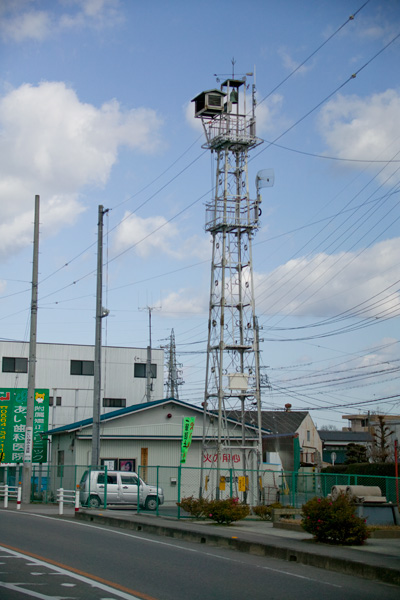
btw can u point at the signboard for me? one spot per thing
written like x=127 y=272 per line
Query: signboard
x=13 y=425
x=187 y=432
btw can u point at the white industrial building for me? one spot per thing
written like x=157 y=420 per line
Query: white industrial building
x=67 y=371
x=148 y=437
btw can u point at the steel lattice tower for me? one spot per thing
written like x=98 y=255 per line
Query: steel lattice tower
x=174 y=379
x=232 y=387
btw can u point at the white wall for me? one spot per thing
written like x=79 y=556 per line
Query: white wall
x=76 y=391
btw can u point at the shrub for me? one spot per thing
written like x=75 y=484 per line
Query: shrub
x=264 y=512
x=196 y=507
x=221 y=511
x=226 y=511
x=334 y=522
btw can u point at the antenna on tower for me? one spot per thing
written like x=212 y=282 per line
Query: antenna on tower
x=232 y=395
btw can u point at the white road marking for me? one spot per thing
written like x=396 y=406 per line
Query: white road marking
x=161 y=543
x=65 y=572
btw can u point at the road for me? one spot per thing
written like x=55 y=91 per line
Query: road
x=69 y=559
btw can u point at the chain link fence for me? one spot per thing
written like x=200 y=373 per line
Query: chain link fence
x=177 y=482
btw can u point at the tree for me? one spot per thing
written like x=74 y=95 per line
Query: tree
x=381 y=450
x=355 y=453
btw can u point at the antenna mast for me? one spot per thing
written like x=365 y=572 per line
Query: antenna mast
x=232 y=386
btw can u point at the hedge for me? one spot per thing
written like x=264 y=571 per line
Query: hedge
x=380 y=469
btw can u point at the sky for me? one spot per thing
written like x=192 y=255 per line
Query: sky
x=95 y=110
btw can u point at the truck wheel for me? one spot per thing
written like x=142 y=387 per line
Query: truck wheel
x=151 y=503
x=94 y=502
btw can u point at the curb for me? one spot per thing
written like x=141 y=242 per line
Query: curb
x=332 y=563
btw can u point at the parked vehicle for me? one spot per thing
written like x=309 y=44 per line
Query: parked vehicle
x=118 y=487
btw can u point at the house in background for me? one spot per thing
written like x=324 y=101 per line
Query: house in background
x=377 y=425
x=67 y=371
x=335 y=444
x=294 y=441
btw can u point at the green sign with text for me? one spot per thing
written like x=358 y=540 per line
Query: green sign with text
x=13 y=423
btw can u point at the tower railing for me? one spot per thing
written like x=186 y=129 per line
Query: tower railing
x=235 y=212
x=229 y=130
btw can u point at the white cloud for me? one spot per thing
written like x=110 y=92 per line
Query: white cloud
x=362 y=128
x=31 y=25
x=20 y=22
x=54 y=145
x=154 y=235
x=290 y=64
x=185 y=303
x=149 y=236
x=325 y=285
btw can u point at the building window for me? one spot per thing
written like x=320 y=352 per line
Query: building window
x=308 y=435
x=140 y=370
x=56 y=403
x=60 y=463
x=82 y=367
x=114 y=402
x=15 y=365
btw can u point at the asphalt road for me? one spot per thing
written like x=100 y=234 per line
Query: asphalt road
x=62 y=554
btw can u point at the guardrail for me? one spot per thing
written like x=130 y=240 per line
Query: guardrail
x=11 y=491
x=67 y=497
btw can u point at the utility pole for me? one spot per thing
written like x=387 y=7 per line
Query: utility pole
x=30 y=406
x=100 y=314
x=149 y=385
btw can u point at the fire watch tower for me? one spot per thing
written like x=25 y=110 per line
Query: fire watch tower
x=232 y=387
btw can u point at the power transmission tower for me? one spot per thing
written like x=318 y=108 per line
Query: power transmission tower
x=174 y=370
x=232 y=386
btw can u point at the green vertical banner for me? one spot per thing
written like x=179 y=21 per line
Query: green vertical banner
x=13 y=406
x=187 y=432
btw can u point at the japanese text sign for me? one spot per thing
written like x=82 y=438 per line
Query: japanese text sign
x=13 y=407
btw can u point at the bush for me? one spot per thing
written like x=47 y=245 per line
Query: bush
x=226 y=511
x=334 y=522
x=221 y=511
x=264 y=512
x=196 y=507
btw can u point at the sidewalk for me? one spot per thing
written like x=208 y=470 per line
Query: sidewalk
x=378 y=559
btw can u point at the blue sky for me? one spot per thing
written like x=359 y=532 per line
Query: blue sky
x=95 y=109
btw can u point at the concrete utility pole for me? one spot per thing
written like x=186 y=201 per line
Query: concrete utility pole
x=100 y=314
x=149 y=385
x=30 y=407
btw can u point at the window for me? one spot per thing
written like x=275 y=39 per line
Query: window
x=114 y=402
x=110 y=478
x=60 y=463
x=56 y=403
x=82 y=367
x=308 y=435
x=15 y=365
x=140 y=370
x=129 y=479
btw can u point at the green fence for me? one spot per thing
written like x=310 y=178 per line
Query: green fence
x=253 y=487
